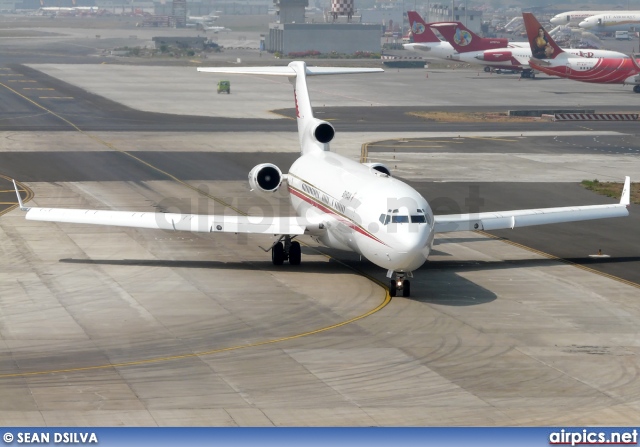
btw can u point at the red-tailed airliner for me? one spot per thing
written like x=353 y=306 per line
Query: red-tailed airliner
x=515 y=55
x=424 y=39
x=339 y=202
x=549 y=58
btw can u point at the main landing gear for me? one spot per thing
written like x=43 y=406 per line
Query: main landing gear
x=636 y=88
x=399 y=283
x=286 y=249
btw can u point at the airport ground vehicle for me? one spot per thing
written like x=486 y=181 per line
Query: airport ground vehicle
x=224 y=87
x=622 y=35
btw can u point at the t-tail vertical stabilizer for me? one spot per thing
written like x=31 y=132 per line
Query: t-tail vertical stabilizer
x=420 y=29
x=463 y=40
x=542 y=45
x=314 y=134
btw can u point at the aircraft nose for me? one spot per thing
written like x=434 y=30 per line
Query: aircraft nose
x=412 y=249
x=584 y=24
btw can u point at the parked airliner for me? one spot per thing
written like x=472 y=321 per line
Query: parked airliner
x=612 y=21
x=549 y=58
x=339 y=202
x=572 y=18
x=514 y=56
x=424 y=39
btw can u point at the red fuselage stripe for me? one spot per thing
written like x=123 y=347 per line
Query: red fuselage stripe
x=351 y=224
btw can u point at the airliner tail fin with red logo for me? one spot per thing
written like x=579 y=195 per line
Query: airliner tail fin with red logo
x=542 y=45
x=464 y=40
x=420 y=30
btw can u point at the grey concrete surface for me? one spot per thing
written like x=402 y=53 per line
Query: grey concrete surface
x=435 y=165
x=534 y=343
x=184 y=91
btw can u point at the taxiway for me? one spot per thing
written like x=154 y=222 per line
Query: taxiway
x=112 y=326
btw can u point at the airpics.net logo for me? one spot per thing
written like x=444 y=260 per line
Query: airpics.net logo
x=50 y=437
x=589 y=437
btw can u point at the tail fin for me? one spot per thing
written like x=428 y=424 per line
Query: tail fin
x=314 y=134
x=542 y=45
x=463 y=40
x=420 y=30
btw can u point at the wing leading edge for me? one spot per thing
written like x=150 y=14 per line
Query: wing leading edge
x=499 y=220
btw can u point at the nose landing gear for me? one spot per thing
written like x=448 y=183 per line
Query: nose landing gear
x=399 y=283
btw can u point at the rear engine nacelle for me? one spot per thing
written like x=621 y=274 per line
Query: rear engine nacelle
x=323 y=132
x=379 y=167
x=265 y=177
x=494 y=56
x=499 y=42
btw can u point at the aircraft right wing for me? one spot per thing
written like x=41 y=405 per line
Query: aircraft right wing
x=201 y=223
x=498 y=220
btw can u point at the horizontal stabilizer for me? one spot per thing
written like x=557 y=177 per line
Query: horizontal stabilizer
x=289 y=71
x=297 y=72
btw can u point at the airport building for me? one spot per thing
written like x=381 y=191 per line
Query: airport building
x=291 y=34
x=471 y=18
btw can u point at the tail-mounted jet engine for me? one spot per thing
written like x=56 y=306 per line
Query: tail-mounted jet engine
x=265 y=177
x=323 y=132
x=379 y=167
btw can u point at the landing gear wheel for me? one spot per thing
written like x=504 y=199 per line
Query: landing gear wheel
x=406 y=288
x=487 y=69
x=636 y=88
x=295 y=254
x=392 y=288
x=277 y=254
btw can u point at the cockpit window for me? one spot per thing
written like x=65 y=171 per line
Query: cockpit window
x=392 y=217
x=399 y=219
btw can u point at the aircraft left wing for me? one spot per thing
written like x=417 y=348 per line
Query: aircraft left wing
x=498 y=220
x=197 y=223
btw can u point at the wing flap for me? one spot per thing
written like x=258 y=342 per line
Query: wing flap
x=197 y=223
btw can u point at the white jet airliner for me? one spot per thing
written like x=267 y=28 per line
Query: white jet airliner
x=339 y=202
x=611 y=22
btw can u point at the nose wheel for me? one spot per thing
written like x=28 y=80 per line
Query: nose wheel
x=400 y=284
